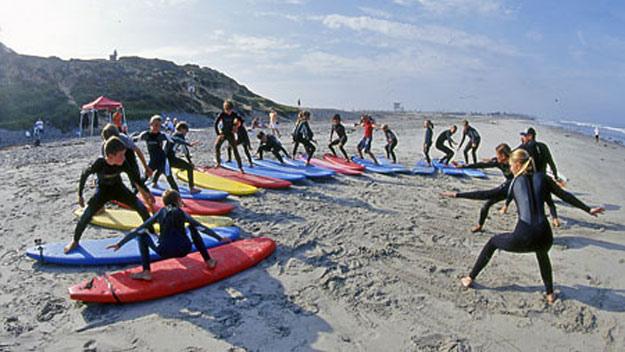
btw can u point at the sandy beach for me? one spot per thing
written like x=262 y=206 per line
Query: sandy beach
x=365 y=263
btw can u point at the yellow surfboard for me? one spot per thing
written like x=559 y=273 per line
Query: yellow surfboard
x=126 y=220
x=209 y=181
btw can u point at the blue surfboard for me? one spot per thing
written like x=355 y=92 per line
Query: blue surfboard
x=308 y=171
x=204 y=194
x=421 y=168
x=397 y=167
x=94 y=252
x=447 y=169
x=371 y=166
x=472 y=172
x=263 y=171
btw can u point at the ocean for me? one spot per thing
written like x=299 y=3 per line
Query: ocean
x=606 y=132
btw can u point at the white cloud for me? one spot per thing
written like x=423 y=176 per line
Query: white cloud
x=458 y=7
x=534 y=36
x=375 y=12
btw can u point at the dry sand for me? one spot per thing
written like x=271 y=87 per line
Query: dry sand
x=362 y=263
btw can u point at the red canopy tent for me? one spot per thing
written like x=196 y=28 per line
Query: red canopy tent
x=100 y=103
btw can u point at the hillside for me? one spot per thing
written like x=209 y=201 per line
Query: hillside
x=54 y=89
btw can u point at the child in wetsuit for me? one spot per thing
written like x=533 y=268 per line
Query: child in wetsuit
x=391 y=142
x=154 y=140
x=227 y=119
x=173 y=241
x=109 y=187
x=302 y=133
x=427 y=144
x=472 y=144
x=269 y=142
x=445 y=136
x=365 y=143
x=242 y=139
x=532 y=232
x=341 y=136
x=132 y=150
x=175 y=143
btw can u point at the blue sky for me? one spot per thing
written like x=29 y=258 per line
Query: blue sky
x=551 y=59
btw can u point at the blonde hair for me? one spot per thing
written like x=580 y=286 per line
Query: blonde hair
x=300 y=116
x=522 y=156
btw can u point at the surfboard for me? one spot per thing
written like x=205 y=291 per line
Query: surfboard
x=175 y=275
x=342 y=162
x=94 y=252
x=331 y=166
x=397 y=167
x=371 y=166
x=446 y=169
x=209 y=181
x=204 y=194
x=421 y=168
x=308 y=171
x=250 y=179
x=126 y=220
x=472 y=172
x=263 y=171
x=192 y=206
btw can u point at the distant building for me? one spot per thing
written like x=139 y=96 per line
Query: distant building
x=114 y=56
x=397 y=107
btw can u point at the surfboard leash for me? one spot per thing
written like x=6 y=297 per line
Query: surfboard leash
x=110 y=287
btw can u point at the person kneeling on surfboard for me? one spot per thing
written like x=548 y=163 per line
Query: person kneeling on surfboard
x=110 y=187
x=173 y=241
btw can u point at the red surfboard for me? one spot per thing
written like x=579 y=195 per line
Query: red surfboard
x=172 y=276
x=254 y=180
x=193 y=206
x=341 y=162
x=332 y=166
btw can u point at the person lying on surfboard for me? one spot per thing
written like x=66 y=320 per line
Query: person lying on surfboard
x=173 y=241
x=269 y=143
x=109 y=187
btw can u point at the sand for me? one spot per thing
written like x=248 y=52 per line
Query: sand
x=362 y=263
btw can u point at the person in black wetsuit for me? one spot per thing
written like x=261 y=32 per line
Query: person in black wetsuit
x=173 y=241
x=109 y=187
x=445 y=136
x=269 y=143
x=154 y=140
x=302 y=133
x=242 y=139
x=341 y=139
x=532 y=232
x=176 y=143
x=538 y=151
x=472 y=144
x=132 y=150
x=391 y=142
x=427 y=144
x=228 y=129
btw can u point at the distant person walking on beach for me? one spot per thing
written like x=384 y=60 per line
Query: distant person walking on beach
x=226 y=119
x=472 y=144
x=445 y=136
x=273 y=123
x=391 y=143
x=365 y=143
x=596 y=134
x=341 y=136
x=427 y=144
x=302 y=133
x=37 y=132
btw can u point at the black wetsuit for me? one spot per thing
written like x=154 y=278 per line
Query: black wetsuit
x=532 y=232
x=428 y=144
x=226 y=134
x=177 y=142
x=391 y=144
x=131 y=157
x=242 y=139
x=304 y=135
x=273 y=145
x=158 y=159
x=440 y=145
x=173 y=241
x=474 y=139
x=109 y=187
x=341 y=139
x=541 y=155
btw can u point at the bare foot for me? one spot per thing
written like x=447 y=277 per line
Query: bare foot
x=551 y=298
x=241 y=170
x=217 y=165
x=211 y=263
x=448 y=194
x=476 y=228
x=466 y=281
x=100 y=211
x=70 y=247
x=144 y=275
x=194 y=190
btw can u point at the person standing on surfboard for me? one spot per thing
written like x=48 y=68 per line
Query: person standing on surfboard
x=178 y=142
x=427 y=144
x=445 y=136
x=341 y=138
x=269 y=142
x=242 y=139
x=365 y=143
x=226 y=119
x=472 y=144
x=109 y=187
x=391 y=142
x=173 y=241
x=302 y=133
x=154 y=140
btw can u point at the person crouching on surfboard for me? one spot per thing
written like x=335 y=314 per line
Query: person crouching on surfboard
x=173 y=241
x=110 y=187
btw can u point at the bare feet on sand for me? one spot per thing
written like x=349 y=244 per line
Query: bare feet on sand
x=477 y=228
x=144 y=275
x=70 y=247
x=211 y=263
x=466 y=281
x=551 y=298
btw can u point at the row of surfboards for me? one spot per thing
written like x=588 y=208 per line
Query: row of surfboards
x=217 y=184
